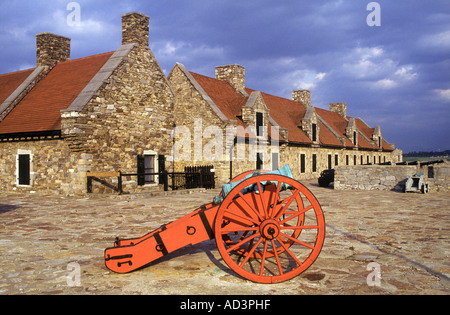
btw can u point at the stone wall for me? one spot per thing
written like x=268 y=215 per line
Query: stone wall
x=53 y=167
x=437 y=176
x=390 y=177
x=130 y=115
x=195 y=113
x=190 y=104
x=193 y=116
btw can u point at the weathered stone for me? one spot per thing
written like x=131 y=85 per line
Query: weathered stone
x=51 y=48
x=106 y=127
x=389 y=177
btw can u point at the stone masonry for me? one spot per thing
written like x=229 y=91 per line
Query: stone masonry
x=390 y=177
x=129 y=109
x=233 y=74
x=135 y=29
x=51 y=48
x=124 y=111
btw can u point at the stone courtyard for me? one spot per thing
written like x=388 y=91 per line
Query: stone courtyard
x=54 y=245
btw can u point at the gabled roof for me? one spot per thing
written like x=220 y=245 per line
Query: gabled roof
x=224 y=96
x=40 y=109
x=287 y=114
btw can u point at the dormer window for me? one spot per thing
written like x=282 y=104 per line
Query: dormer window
x=379 y=142
x=314 y=132
x=259 y=124
x=355 y=138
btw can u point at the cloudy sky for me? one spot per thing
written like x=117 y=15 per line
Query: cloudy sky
x=396 y=75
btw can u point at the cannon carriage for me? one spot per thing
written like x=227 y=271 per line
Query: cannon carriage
x=267 y=226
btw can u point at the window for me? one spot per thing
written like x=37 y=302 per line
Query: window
x=354 y=160
x=259 y=161
x=275 y=165
x=329 y=162
x=336 y=160
x=314 y=163
x=147 y=163
x=24 y=169
x=374 y=160
x=355 y=137
x=302 y=163
x=314 y=132
x=346 y=160
x=430 y=171
x=379 y=142
x=362 y=160
x=259 y=124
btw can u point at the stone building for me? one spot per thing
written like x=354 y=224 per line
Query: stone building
x=270 y=131
x=117 y=111
x=106 y=112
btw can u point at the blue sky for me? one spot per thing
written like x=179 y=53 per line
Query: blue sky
x=396 y=75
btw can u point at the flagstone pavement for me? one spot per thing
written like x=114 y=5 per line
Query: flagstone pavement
x=53 y=244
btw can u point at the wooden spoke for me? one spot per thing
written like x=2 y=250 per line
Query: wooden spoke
x=268 y=237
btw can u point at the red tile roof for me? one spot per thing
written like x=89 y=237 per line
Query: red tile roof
x=9 y=82
x=40 y=108
x=337 y=122
x=288 y=114
x=223 y=95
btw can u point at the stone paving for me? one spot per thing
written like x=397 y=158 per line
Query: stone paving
x=54 y=245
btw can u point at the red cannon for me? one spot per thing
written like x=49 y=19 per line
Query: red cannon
x=268 y=228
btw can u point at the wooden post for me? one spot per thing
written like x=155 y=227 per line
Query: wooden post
x=165 y=178
x=89 y=184
x=119 y=183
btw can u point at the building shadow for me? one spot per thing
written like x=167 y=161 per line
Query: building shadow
x=7 y=208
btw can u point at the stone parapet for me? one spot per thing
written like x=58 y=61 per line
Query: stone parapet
x=390 y=177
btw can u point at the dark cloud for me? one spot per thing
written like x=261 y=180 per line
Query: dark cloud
x=395 y=75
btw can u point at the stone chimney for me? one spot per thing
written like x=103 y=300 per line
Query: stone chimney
x=135 y=28
x=340 y=108
x=233 y=74
x=51 y=48
x=302 y=96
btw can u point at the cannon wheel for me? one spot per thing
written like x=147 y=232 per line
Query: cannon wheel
x=270 y=234
x=295 y=233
